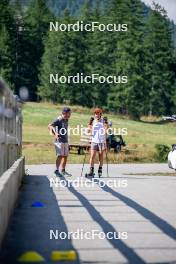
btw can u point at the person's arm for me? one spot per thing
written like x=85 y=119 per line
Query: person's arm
x=89 y=129
x=51 y=128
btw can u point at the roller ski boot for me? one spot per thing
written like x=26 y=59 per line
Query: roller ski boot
x=99 y=172
x=91 y=174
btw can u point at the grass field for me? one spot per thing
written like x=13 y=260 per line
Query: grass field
x=141 y=139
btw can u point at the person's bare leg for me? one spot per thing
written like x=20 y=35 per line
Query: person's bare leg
x=92 y=157
x=101 y=155
x=58 y=161
x=63 y=162
x=100 y=163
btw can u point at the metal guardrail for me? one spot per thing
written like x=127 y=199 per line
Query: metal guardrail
x=10 y=128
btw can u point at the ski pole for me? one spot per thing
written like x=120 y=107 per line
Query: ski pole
x=107 y=163
x=83 y=164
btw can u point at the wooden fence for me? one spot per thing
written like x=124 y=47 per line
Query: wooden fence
x=10 y=128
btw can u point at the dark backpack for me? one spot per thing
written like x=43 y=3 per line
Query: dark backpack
x=173 y=147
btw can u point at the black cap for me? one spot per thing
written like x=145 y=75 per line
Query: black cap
x=66 y=110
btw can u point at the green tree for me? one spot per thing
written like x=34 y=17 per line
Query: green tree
x=5 y=55
x=129 y=57
x=159 y=48
x=100 y=57
x=65 y=54
x=36 y=24
x=7 y=38
x=18 y=46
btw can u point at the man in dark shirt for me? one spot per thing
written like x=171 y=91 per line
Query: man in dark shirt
x=59 y=128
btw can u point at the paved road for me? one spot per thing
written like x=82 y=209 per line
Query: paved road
x=138 y=210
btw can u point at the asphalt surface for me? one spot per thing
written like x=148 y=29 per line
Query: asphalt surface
x=128 y=217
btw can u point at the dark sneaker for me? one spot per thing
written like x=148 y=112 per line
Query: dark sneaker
x=65 y=173
x=57 y=173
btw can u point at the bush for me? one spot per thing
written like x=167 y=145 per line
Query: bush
x=162 y=152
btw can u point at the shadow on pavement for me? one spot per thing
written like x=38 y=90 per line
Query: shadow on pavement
x=164 y=226
x=118 y=244
x=29 y=229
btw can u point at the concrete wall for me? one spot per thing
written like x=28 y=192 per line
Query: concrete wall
x=11 y=162
x=10 y=181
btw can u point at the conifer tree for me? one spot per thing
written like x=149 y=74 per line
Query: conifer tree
x=65 y=55
x=127 y=98
x=7 y=36
x=5 y=55
x=36 y=21
x=159 y=48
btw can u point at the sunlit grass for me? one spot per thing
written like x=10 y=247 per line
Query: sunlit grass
x=141 y=138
